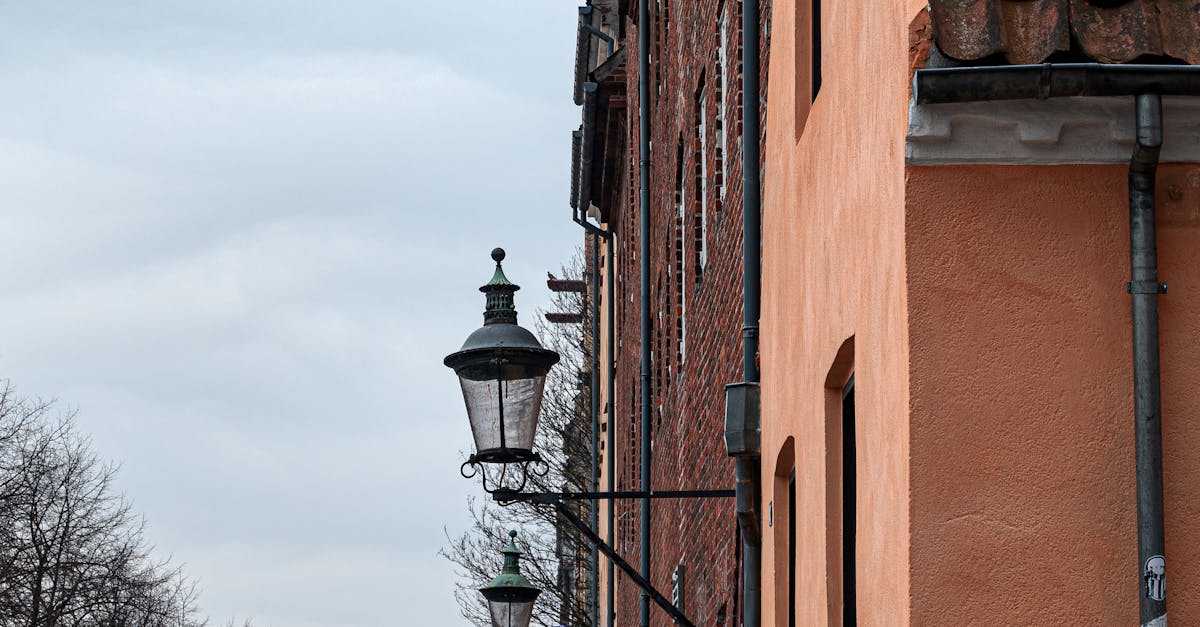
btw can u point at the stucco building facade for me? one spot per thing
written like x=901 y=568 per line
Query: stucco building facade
x=948 y=419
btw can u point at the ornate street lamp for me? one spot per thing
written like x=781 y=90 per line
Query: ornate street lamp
x=510 y=596
x=502 y=369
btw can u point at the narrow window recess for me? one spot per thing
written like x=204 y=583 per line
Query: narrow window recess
x=808 y=60
x=680 y=267
x=722 y=95
x=849 y=508
x=701 y=182
x=816 y=48
x=791 y=547
x=841 y=490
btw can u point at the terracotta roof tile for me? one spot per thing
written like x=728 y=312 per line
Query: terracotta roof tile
x=1118 y=34
x=1180 y=22
x=1030 y=31
x=1036 y=29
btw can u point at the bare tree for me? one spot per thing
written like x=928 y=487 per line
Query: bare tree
x=71 y=549
x=555 y=558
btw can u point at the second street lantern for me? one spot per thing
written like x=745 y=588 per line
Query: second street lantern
x=502 y=369
x=510 y=596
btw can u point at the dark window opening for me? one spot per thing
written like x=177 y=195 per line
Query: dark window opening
x=807 y=65
x=791 y=542
x=816 y=48
x=849 y=507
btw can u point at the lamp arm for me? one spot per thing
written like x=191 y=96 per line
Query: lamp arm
x=505 y=496
x=611 y=554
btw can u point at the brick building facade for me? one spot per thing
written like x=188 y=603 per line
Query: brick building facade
x=696 y=284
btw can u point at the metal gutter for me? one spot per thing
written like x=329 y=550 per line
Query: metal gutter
x=583 y=49
x=1052 y=80
x=587 y=148
x=576 y=154
x=583 y=53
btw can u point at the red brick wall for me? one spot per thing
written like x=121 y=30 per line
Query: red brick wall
x=688 y=390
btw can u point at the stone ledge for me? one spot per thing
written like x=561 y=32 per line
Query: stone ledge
x=1045 y=132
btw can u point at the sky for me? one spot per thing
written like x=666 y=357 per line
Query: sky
x=239 y=238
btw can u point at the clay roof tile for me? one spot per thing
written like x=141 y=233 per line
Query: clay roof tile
x=1030 y=31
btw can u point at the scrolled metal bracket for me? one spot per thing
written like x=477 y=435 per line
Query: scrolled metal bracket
x=515 y=472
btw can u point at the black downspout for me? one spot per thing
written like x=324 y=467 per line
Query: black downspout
x=751 y=192
x=748 y=466
x=1144 y=289
x=643 y=34
x=611 y=452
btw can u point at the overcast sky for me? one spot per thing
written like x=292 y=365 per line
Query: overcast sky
x=239 y=237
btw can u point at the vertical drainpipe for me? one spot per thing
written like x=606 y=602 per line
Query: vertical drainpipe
x=611 y=452
x=644 y=184
x=748 y=460
x=1147 y=406
x=594 y=571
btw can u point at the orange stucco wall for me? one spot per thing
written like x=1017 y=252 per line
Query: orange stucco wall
x=1022 y=461
x=834 y=267
x=991 y=357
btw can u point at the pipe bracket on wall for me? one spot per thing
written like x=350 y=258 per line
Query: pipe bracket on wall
x=1146 y=287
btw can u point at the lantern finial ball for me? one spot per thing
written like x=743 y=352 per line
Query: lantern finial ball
x=497 y=255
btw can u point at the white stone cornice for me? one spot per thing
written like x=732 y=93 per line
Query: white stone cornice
x=1052 y=131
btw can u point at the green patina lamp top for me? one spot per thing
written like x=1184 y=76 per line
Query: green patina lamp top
x=510 y=580
x=499 y=291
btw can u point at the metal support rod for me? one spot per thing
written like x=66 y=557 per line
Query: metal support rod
x=1147 y=405
x=512 y=496
x=594 y=510
x=643 y=69
x=648 y=590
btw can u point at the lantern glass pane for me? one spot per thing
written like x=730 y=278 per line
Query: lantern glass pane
x=511 y=613
x=522 y=400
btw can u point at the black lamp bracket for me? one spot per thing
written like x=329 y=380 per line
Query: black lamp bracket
x=520 y=471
